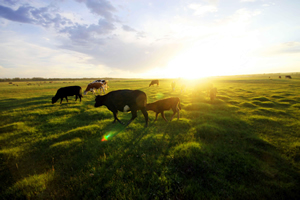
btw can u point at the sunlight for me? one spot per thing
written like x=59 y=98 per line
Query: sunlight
x=223 y=56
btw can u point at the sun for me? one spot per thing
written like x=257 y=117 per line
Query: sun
x=222 y=57
x=188 y=66
x=200 y=62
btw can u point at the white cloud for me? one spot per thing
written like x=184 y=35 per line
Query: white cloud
x=117 y=38
x=248 y=0
x=281 y=49
x=200 y=9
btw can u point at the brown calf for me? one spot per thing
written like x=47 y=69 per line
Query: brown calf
x=165 y=104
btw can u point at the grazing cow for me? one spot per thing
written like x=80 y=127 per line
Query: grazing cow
x=173 y=84
x=154 y=82
x=124 y=101
x=104 y=82
x=94 y=86
x=64 y=92
x=288 y=76
x=279 y=76
x=213 y=93
x=165 y=104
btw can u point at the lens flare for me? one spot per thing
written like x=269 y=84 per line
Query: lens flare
x=116 y=130
x=105 y=137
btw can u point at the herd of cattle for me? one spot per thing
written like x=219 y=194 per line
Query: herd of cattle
x=128 y=100
x=122 y=100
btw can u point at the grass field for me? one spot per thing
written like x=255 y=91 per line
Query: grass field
x=243 y=145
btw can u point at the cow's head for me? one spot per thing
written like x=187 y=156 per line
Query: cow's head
x=99 y=101
x=54 y=99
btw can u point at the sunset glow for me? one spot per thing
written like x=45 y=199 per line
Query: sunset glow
x=139 y=39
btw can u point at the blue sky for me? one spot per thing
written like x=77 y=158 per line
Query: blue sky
x=148 y=39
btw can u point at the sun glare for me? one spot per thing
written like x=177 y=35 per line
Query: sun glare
x=224 y=57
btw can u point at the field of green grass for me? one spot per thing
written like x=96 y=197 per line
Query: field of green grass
x=243 y=145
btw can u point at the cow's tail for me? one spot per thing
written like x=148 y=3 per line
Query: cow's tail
x=80 y=92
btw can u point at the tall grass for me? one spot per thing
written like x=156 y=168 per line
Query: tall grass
x=243 y=145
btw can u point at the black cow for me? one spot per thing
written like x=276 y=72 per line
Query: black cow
x=124 y=101
x=64 y=92
x=288 y=76
x=154 y=82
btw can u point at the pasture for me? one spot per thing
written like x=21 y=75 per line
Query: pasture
x=243 y=145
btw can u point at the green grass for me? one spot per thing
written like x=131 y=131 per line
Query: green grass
x=243 y=145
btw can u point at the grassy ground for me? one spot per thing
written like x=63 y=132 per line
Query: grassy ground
x=243 y=145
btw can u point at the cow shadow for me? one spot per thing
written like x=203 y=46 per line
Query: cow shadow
x=16 y=103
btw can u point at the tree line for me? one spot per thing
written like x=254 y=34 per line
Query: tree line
x=44 y=79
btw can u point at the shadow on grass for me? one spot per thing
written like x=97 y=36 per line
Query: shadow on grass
x=16 y=103
x=213 y=156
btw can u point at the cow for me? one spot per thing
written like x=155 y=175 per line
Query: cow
x=213 y=93
x=165 y=104
x=288 y=76
x=104 y=82
x=64 y=92
x=94 y=86
x=279 y=76
x=124 y=101
x=154 y=82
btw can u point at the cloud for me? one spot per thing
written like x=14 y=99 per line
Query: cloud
x=44 y=16
x=139 y=34
x=102 y=8
x=202 y=9
x=49 y=16
x=20 y=15
x=248 y=0
x=23 y=59
x=88 y=34
x=281 y=49
x=213 y=2
x=10 y=2
x=128 y=28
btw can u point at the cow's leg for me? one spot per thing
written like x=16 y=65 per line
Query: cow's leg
x=163 y=116
x=61 y=99
x=80 y=97
x=145 y=113
x=116 y=117
x=134 y=115
x=156 y=116
x=175 y=110
x=76 y=98
x=67 y=98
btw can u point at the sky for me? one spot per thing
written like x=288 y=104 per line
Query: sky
x=148 y=38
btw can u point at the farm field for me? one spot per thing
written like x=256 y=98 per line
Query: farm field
x=243 y=145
